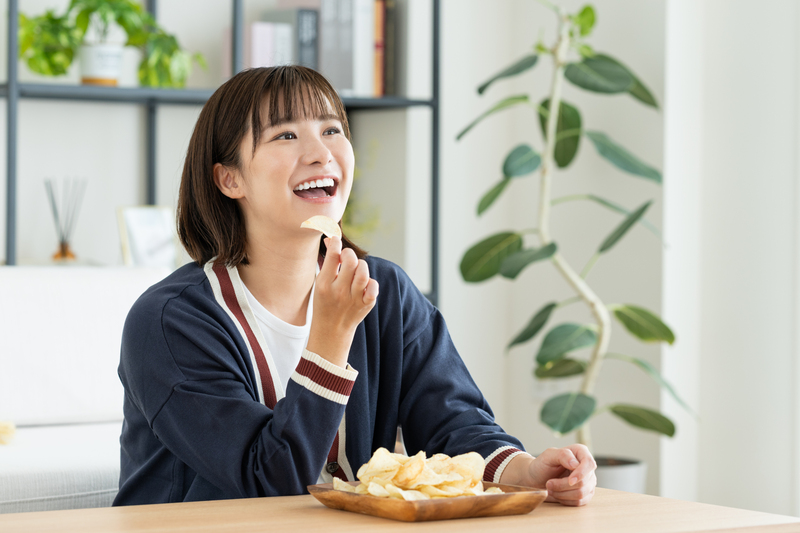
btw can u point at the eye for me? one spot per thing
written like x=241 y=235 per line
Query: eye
x=286 y=135
x=333 y=130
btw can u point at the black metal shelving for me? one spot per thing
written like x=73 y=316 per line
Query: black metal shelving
x=152 y=98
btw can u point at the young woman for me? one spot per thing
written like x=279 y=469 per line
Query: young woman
x=279 y=359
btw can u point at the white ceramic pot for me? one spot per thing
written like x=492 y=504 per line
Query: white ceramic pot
x=101 y=64
x=621 y=474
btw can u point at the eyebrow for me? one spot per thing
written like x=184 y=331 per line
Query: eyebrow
x=321 y=118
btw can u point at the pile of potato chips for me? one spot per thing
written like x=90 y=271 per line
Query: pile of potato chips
x=391 y=475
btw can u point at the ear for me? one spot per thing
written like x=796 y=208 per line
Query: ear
x=227 y=181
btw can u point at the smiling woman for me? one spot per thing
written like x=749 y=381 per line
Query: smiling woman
x=270 y=363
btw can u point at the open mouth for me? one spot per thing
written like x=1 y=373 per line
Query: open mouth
x=320 y=188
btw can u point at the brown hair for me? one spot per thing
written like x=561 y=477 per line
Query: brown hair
x=211 y=225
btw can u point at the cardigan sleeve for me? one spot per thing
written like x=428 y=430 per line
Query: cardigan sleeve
x=186 y=373
x=441 y=408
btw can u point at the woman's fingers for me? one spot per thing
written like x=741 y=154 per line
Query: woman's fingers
x=330 y=265
x=347 y=276
x=360 y=280
x=370 y=293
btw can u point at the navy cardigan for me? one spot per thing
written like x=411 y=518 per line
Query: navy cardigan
x=205 y=420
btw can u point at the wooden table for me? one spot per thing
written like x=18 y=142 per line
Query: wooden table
x=612 y=511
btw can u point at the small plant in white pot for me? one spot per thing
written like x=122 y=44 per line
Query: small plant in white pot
x=508 y=254
x=49 y=42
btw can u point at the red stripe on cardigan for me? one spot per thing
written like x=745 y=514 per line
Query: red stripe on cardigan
x=491 y=468
x=229 y=295
x=322 y=377
x=333 y=457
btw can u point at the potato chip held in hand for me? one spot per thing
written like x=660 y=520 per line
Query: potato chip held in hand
x=323 y=224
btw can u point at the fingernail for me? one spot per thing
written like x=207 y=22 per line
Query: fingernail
x=574 y=463
x=550 y=485
x=572 y=481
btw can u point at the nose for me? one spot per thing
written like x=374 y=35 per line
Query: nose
x=315 y=151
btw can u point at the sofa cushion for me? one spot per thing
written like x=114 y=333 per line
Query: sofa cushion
x=49 y=468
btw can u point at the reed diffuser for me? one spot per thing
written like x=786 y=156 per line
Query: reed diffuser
x=70 y=198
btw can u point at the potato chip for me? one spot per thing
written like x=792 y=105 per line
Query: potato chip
x=382 y=466
x=391 y=475
x=7 y=430
x=338 y=484
x=377 y=490
x=393 y=491
x=323 y=224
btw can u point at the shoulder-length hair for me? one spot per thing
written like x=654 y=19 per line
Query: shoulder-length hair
x=211 y=225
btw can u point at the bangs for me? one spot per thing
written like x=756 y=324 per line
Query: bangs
x=291 y=95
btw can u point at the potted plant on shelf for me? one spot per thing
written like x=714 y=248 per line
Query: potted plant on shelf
x=507 y=254
x=49 y=43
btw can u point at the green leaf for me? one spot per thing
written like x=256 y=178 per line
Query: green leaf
x=644 y=418
x=621 y=158
x=82 y=20
x=567 y=412
x=641 y=93
x=564 y=339
x=483 y=260
x=638 y=89
x=516 y=262
x=642 y=323
x=499 y=106
x=562 y=368
x=519 y=67
x=623 y=228
x=585 y=50
x=520 y=161
x=585 y=20
x=535 y=325
x=568 y=131
x=598 y=74
x=654 y=373
x=610 y=205
x=492 y=195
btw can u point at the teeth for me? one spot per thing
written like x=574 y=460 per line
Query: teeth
x=324 y=182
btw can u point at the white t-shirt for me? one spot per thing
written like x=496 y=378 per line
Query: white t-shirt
x=285 y=341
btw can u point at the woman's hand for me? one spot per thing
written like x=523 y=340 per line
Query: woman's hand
x=343 y=296
x=566 y=473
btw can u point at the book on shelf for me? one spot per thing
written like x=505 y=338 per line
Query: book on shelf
x=265 y=44
x=304 y=25
x=347 y=45
x=352 y=43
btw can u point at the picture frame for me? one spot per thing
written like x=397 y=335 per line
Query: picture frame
x=148 y=236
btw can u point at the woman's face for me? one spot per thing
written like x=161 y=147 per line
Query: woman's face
x=299 y=169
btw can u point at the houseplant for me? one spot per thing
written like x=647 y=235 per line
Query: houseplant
x=506 y=254
x=49 y=43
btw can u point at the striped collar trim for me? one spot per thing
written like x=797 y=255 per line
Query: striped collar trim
x=229 y=292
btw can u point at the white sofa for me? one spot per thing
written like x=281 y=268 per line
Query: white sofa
x=60 y=331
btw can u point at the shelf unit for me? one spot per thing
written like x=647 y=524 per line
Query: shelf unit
x=152 y=98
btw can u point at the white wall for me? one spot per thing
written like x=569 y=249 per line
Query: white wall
x=746 y=239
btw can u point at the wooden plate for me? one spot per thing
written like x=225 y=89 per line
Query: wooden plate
x=514 y=500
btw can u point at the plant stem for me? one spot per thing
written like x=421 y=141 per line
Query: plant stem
x=596 y=306
x=589 y=265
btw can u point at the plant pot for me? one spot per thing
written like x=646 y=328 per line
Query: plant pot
x=621 y=474
x=101 y=64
